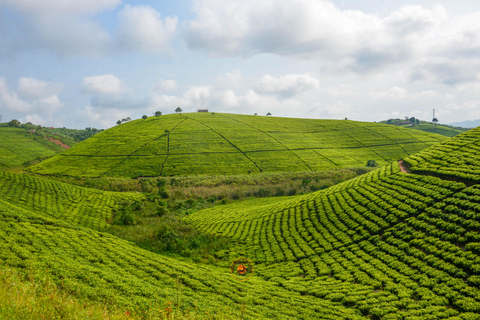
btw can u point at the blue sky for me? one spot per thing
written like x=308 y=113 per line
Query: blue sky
x=89 y=63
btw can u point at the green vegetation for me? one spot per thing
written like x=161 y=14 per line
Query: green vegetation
x=455 y=159
x=412 y=123
x=86 y=207
x=383 y=245
x=27 y=144
x=388 y=244
x=204 y=143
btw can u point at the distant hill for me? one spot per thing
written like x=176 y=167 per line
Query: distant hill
x=443 y=129
x=199 y=143
x=19 y=146
x=467 y=123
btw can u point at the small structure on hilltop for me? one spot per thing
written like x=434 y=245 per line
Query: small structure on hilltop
x=202 y=110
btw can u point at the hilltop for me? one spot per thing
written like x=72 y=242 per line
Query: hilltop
x=199 y=143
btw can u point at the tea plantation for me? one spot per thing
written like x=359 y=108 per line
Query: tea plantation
x=384 y=245
x=199 y=143
x=17 y=147
x=399 y=246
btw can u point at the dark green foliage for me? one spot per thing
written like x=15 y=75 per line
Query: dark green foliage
x=372 y=163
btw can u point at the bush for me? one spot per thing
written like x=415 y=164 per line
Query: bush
x=372 y=163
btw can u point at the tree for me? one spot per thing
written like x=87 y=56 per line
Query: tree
x=435 y=120
x=158 y=113
x=269 y=114
x=178 y=109
x=128 y=119
x=119 y=122
x=255 y=114
x=167 y=131
x=14 y=123
x=144 y=117
x=372 y=163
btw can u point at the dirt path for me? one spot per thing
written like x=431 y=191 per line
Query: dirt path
x=403 y=166
x=59 y=143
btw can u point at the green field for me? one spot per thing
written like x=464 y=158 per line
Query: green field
x=17 y=147
x=196 y=143
x=384 y=245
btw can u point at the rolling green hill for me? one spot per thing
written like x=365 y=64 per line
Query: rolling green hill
x=385 y=245
x=199 y=143
x=398 y=245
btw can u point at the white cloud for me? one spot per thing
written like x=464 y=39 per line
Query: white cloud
x=142 y=29
x=429 y=44
x=36 y=96
x=107 y=83
x=230 y=80
x=286 y=85
x=33 y=118
x=32 y=88
x=9 y=99
x=165 y=85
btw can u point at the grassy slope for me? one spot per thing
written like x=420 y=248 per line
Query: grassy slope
x=399 y=246
x=18 y=146
x=233 y=144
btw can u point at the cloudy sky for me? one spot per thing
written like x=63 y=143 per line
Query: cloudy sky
x=89 y=63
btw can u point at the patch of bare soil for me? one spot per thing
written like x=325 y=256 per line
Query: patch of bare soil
x=403 y=166
x=59 y=143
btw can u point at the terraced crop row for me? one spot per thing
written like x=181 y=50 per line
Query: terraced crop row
x=411 y=241
x=105 y=268
x=86 y=207
x=457 y=158
x=234 y=144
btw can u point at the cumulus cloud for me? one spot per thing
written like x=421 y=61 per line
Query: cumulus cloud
x=31 y=96
x=141 y=28
x=165 y=85
x=32 y=88
x=427 y=43
x=287 y=85
x=65 y=27
x=103 y=84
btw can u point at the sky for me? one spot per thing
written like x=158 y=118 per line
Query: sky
x=90 y=63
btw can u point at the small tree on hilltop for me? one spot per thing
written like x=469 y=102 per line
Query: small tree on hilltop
x=144 y=117
x=158 y=113
x=14 y=123
x=269 y=114
x=435 y=120
x=178 y=109
x=119 y=122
